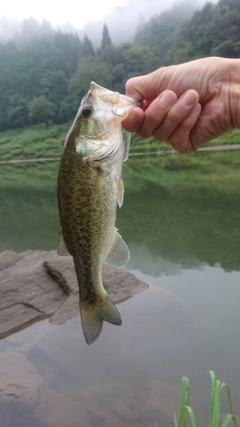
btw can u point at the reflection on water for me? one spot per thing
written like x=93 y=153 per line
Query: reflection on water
x=187 y=246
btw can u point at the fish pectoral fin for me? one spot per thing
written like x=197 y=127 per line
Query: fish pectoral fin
x=118 y=253
x=127 y=146
x=120 y=193
x=62 y=249
x=92 y=319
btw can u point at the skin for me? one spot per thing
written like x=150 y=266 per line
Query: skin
x=187 y=104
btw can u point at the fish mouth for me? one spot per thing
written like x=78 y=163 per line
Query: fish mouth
x=128 y=101
x=118 y=114
x=114 y=98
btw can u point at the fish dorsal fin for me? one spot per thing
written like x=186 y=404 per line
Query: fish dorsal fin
x=62 y=249
x=118 y=253
x=120 y=193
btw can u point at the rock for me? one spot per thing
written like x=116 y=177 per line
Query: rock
x=24 y=393
x=54 y=409
x=102 y=404
x=19 y=379
x=36 y=285
x=160 y=402
x=112 y=404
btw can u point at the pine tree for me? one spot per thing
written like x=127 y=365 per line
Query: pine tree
x=87 y=47
x=106 y=40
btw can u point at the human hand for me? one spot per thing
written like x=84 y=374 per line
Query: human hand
x=187 y=104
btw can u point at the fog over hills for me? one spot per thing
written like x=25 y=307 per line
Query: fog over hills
x=121 y=21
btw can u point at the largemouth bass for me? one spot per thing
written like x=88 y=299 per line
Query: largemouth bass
x=89 y=188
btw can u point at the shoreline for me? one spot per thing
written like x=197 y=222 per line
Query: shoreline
x=147 y=153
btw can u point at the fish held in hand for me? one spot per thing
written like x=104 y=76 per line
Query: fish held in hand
x=89 y=188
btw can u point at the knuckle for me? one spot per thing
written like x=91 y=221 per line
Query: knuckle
x=176 y=116
x=144 y=133
x=160 y=136
x=129 y=84
x=180 y=143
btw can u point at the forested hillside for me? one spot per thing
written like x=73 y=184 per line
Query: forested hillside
x=44 y=73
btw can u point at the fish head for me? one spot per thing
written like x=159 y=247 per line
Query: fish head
x=99 y=122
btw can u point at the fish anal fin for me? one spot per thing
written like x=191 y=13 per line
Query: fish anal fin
x=120 y=193
x=92 y=319
x=62 y=249
x=118 y=253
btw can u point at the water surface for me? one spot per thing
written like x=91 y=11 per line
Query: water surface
x=185 y=243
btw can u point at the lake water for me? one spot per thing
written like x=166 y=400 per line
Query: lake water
x=186 y=245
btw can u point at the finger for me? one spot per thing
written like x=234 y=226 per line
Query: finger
x=181 y=138
x=156 y=113
x=176 y=115
x=134 y=120
x=146 y=87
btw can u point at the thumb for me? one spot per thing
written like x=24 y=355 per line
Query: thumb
x=146 y=87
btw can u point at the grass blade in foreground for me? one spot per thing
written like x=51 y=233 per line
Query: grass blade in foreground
x=215 y=413
x=215 y=405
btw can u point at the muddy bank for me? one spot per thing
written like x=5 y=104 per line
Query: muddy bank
x=35 y=285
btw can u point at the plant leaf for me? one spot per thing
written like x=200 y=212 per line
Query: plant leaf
x=185 y=395
x=191 y=415
x=229 y=398
x=227 y=420
x=175 y=420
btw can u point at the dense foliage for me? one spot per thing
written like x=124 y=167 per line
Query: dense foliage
x=44 y=73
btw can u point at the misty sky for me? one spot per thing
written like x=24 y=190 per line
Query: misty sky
x=77 y=12
x=59 y=12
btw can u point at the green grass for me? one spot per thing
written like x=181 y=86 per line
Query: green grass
x=231 y=137
x=151 y=144
x=216 y=171
x=39 y=142
x=215 y=406
x=32 y=142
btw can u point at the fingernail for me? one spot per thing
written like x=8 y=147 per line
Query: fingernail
x=167 y=99
x=189 y=98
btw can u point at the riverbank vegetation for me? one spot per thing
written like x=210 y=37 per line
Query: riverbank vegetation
x=37 y=141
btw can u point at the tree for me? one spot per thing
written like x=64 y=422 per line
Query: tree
x=138 y=60
x=92 y=69
x=69 y=47
x=53 y=85
x=87 y=47
x=106 y=40
x=41 y=110
x=18 y=116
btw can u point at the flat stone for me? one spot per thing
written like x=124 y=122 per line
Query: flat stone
x=36 y=285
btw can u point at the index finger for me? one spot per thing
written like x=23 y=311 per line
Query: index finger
x=146 y=87
x=134 y=120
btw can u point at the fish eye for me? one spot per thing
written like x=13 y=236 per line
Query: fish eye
x=86 y=111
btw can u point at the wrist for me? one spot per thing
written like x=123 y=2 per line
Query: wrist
x=233 y=75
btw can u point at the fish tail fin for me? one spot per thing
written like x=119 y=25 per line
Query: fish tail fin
x=92 y=319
